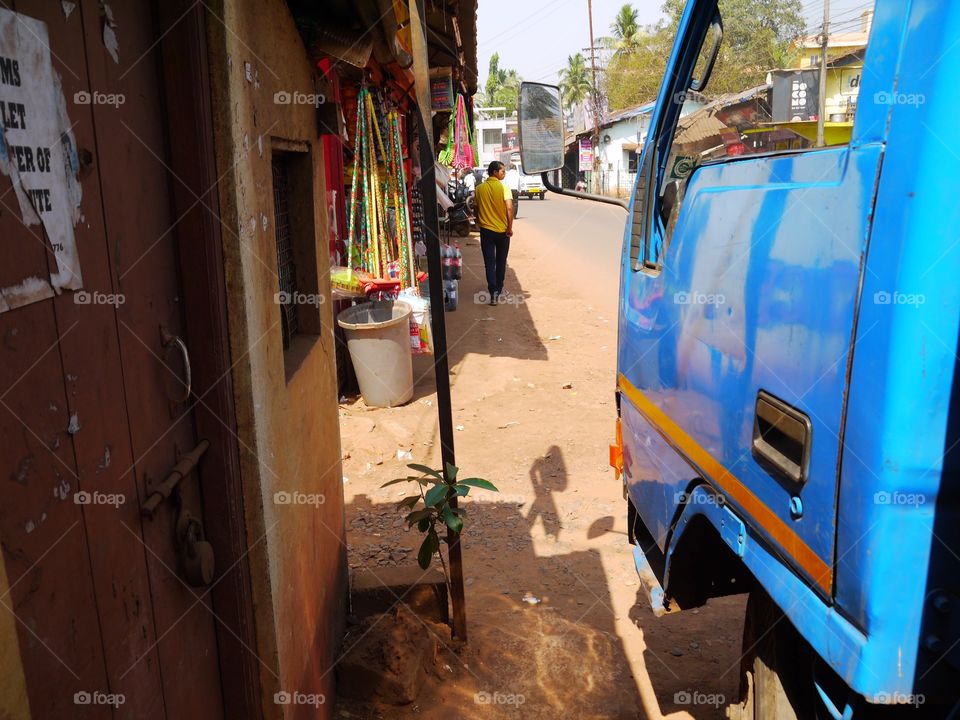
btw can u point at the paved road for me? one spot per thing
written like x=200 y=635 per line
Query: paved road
x=591 y=233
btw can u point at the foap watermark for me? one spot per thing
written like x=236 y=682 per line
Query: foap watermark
x=698 y=298
x=84 y=297
x=899 y=498
x=899 y=98
x=882 y=297
x=298 y=298
x=694 y=697
x=85 y=97
x=85 y=697
x=482 y=297
x=699 y=498
x=85 y=497
x=485 y=697
x=282 y=97
x=295 y=497
x=899 y=698
x=285 y=697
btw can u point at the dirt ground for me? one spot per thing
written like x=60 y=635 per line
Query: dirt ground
x=533 y=398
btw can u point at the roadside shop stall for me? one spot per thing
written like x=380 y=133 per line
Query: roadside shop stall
x=378 y=244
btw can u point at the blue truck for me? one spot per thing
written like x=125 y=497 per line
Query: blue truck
x=787 y=384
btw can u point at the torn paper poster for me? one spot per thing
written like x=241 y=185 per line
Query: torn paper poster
x=110 y=41
x=38 y=153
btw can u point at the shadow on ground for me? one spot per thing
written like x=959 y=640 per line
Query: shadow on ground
x=543 y=637
x=541 y=647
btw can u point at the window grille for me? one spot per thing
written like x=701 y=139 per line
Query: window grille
x=286 y=269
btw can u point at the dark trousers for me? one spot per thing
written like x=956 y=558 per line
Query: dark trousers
x=495 y=247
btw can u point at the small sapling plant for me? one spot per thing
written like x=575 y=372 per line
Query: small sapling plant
x=435 y=492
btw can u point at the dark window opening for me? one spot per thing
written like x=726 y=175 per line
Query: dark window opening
x=298 y=294
x=286 y=267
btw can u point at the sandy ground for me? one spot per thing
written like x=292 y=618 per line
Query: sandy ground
x=590 y=648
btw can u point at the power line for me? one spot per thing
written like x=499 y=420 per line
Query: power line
x=517 y=27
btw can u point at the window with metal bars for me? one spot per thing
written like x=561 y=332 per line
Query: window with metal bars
x=286 y=267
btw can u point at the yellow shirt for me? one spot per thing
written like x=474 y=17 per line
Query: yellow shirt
x=491 y=211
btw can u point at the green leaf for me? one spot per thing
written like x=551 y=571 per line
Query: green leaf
x=408 y=502
x=423 y=525
x=418 y=515
x=453 y=522
x=436 y=495
x=430 y=545
x=479 y=483
x=452 y=471
x=461 y=489
x=426 y=470
x=406 y=479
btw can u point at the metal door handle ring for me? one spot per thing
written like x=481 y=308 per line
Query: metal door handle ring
x=169 y=340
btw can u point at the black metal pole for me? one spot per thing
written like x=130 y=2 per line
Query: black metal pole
x=441 y=366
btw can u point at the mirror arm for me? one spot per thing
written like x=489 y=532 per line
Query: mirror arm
x=583 y=195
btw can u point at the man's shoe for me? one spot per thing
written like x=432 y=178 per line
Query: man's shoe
x=494 y=298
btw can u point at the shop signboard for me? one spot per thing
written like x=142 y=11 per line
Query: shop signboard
x=795 y=95
x=442 y=98
x=586 y=155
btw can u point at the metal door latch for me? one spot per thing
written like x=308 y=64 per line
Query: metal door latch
x=195 y=553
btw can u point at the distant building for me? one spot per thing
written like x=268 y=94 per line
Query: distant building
x=838 y=44
x=621 y=139
x=496 y=132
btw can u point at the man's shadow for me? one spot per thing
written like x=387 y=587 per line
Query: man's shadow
x=548 y=475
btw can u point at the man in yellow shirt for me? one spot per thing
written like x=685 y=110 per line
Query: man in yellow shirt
x=494 y=203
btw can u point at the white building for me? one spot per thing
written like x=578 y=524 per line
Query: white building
x=496 y=131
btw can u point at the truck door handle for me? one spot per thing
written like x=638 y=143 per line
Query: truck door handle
x=782 y=436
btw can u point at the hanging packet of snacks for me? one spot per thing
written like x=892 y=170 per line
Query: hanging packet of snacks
x=421 y=336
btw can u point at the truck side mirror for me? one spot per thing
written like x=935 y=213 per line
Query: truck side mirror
x=540 y=121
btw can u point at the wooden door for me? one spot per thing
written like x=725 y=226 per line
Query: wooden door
x=102 y=610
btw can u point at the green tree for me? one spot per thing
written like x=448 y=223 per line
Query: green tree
x=495 y=76
x=626 y=31
x=575 y=81
x=757 y=38
x=503 y=86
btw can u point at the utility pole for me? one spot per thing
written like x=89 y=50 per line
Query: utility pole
x=596 y=97
x=822 y=100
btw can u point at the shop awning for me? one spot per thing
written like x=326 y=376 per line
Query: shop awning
x=352 y=30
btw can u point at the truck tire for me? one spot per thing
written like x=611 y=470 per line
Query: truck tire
x=776 y=671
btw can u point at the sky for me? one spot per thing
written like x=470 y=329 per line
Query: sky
x=535 y=37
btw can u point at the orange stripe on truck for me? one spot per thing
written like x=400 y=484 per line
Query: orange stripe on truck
x=819 y=571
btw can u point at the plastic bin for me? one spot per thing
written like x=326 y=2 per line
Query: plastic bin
x=378 y=338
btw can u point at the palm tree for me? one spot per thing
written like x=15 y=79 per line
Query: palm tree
x=575 y=81
x=627 y=33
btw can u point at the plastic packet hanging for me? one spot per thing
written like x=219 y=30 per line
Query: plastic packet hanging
x=421 y=334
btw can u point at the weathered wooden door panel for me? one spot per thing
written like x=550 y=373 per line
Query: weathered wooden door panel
x=106 y=600
x=140 y=240
x=88 y=550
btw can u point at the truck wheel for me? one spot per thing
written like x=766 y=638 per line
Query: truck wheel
x=776 y=680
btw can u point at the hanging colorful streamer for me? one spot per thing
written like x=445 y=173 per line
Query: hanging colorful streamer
x=379 y=228
x=459 y=151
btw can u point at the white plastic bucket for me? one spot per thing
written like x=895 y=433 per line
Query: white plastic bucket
x=378 y=338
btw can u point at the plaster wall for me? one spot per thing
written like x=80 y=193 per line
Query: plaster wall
x=286 y=402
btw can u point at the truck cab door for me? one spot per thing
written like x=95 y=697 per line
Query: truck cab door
x=740 y=288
